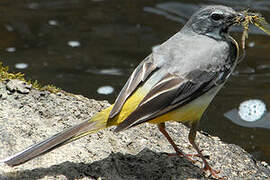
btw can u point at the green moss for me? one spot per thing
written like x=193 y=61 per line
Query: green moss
x=51 y=88
x=35 y=84
x=5 y=75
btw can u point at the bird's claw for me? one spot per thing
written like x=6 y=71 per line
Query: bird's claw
x=214 y=173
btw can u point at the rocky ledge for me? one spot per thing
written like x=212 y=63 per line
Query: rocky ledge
x=28 y=115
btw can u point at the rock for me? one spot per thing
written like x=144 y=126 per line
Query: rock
x=137 y=153
x=19 y=86
x=3 y=91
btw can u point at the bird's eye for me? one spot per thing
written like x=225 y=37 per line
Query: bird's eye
x=216 y=16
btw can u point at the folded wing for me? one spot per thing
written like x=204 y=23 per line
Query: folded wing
x=171 y=92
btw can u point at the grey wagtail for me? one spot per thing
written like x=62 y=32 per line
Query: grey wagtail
x=176 y=82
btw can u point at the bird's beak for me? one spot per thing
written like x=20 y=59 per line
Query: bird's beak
x=234 y=19
x=240 y=17
x=237 y=18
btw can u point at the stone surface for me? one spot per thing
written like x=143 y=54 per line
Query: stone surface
x=19 y=86
x=137 y=153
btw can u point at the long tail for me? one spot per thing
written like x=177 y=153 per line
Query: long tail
x=90 y=126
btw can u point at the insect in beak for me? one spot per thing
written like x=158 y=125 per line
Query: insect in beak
x=246 y=18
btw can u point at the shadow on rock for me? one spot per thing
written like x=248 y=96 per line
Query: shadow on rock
x=144 y=165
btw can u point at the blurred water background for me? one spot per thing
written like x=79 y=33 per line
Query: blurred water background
x=90 y=47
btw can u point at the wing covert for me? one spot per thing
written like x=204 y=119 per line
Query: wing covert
x=139 y=75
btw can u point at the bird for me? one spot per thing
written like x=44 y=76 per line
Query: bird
x=176 y=82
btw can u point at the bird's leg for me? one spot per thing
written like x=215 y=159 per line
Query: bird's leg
x=191 y=138
x=161 y=127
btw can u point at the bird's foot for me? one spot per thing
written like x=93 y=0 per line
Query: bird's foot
x=214 y=173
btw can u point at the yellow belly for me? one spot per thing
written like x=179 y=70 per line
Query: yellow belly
x=190 y=112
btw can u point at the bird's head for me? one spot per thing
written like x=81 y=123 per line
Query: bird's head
x=214 y=21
